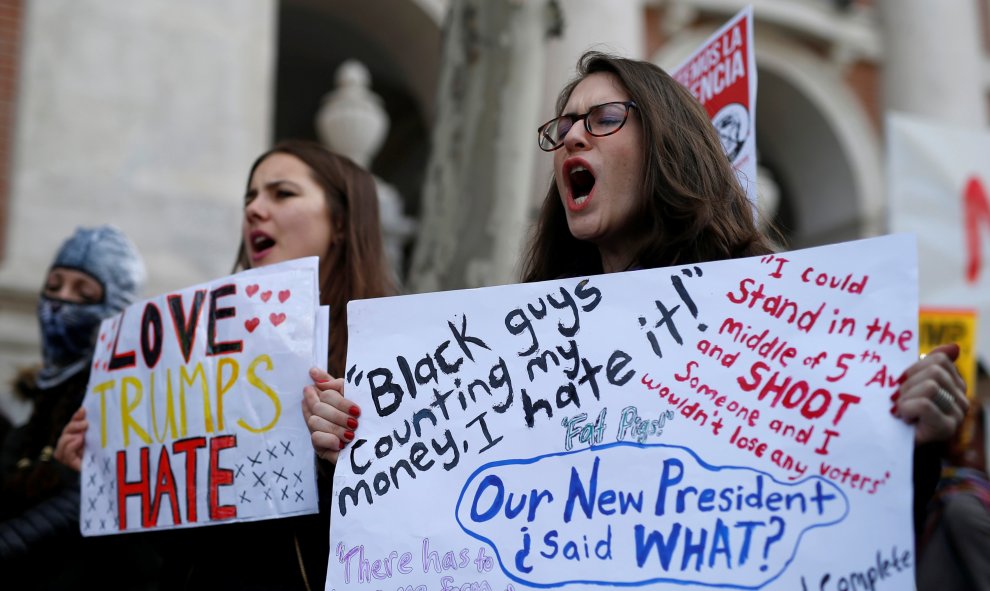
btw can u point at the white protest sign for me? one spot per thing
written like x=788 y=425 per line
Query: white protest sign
x=938 y=180
x=721 y=74
x=193 y=404
x=711 y=425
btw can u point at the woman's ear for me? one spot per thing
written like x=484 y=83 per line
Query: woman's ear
x=336 y=230
x=339 y=224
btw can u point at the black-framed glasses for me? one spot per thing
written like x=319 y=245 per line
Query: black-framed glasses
x=599 y=121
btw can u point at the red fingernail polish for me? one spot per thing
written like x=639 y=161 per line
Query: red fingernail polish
x=355 y=411
x=351 y=423
x=893 y=410
x=895 y=395
x=348 y=435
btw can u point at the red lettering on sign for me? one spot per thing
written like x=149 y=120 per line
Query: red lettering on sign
x=976 y=209
x=152 y=492
x=220 y=477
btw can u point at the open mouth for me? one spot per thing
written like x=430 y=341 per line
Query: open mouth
x=582 y=182
x=260 y=243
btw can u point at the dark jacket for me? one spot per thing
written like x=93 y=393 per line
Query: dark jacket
x=40 y=543
x=288 y=554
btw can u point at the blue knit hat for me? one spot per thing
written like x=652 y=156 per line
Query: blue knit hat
x=110 y=257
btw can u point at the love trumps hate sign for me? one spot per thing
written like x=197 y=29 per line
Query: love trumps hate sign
x=193 y=404
x=717 y=425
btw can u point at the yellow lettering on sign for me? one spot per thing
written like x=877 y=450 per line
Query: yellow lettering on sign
x=255 y=381
x=126 y=422
x=190 y=380
x=169 y=427
x=101 y=389
x=223 y=387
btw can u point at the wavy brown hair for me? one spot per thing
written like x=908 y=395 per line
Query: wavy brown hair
x=693 y=208
x=354 y=266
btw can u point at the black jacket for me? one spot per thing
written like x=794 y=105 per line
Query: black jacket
x=40 y=543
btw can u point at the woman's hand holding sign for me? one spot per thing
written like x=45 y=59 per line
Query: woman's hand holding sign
x=69 y=449
x=933 y=396
x=330 y=417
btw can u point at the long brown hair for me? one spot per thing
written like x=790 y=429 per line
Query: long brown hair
x=354 y=266
x=693 y=208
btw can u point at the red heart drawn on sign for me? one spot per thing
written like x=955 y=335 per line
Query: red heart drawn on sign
x=266 y=295
x=251 y=324
x=277 y=318
x=252 y=289
x=284 y=295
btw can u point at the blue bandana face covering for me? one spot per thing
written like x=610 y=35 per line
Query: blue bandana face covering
x=69 y=329
x=68 y=334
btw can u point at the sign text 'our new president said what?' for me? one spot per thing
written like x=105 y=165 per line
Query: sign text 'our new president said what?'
x=699 y=425
x=186 y=396
x=681 y=520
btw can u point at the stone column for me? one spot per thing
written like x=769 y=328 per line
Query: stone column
x=615 y=26
x=933 y=60
x=477 y=191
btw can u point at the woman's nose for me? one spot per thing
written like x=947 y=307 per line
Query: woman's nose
x=256 y=209
x=576 y=137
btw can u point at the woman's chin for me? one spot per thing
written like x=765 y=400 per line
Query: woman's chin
x=584 y=231
x=266 y=259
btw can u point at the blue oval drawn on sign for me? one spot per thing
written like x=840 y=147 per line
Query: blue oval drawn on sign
x=630 y=514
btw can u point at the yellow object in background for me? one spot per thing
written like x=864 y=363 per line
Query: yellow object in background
x=939 y=326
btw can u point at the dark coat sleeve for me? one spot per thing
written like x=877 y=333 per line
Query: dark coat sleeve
x=927 y=471
x=57 y=516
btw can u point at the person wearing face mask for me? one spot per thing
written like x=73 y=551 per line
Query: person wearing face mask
x=96 y=273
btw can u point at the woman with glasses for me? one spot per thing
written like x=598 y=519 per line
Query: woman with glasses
x=641 y=181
